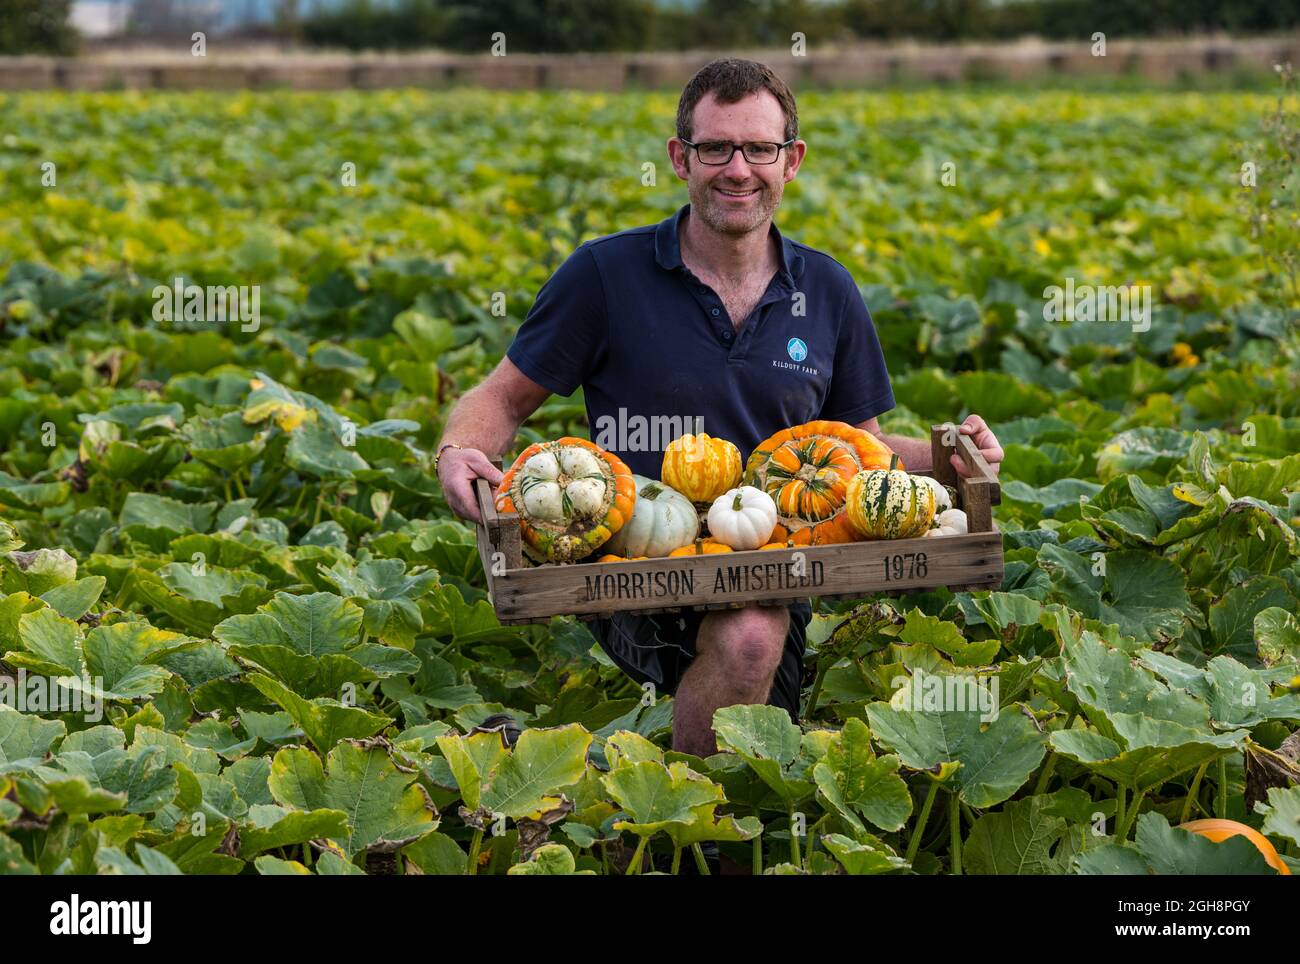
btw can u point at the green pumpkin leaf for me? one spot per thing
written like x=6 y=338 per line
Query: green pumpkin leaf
x=857 y=783
x=542 y=762
x=323 y=721
x=1281 y=813
x=294 y=827
x=995 y=758
x=1277 y=636
x=766 y=739
x=385 y=807
x=865 y=857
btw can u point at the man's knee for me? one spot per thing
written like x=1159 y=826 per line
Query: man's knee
x=749 y=642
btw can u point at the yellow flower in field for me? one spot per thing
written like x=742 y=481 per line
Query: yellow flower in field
x=133 y=250
x=1182 y=354
x=512 y=207
x=1041 y=247
x=990 y=219
x=886 y=249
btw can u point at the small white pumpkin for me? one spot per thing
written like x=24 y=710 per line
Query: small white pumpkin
x=742 y=518
x=942 y=500
x=950 y=522
x=662 y=520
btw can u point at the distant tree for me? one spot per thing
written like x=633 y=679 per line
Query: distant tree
x=559 y=26
x=36 y=27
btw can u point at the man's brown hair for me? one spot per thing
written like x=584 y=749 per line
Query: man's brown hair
x=731 y=80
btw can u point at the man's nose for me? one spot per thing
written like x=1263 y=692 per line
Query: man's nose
x=738 y=168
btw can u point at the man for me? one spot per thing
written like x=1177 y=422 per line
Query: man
x=710 y=314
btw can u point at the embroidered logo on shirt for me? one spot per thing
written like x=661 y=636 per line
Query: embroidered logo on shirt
x=796 y=349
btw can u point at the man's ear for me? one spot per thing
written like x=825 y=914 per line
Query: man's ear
x=680 y=158
x=794 y=159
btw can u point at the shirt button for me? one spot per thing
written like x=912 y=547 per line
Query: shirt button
x=714 y=312
x=726 y=335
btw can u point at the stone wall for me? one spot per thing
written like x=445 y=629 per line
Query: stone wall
x=867 y=65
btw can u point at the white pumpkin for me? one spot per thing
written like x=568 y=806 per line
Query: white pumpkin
x=742 y=518
x=950 y=522
x=942 y=500
x=662 y=520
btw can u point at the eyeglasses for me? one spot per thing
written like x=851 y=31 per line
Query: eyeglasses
x=719 y=153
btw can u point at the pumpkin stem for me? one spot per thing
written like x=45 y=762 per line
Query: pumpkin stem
x=893 y=461
x=735 y=503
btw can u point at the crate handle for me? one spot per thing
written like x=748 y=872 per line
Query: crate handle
x=979 y=467
x=499 y=529
x=977 y=494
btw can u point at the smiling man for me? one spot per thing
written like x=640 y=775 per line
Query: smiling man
x=715 y=318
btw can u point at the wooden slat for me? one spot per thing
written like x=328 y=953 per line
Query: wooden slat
x=974 y=498
x=502 y=527
x=942 y=470
x=487 y=509
x=486 y=550
x=746 y=578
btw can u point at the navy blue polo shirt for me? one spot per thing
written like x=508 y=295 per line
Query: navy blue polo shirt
x=657 y=356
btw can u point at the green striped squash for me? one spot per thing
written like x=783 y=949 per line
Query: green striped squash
x=889 y=503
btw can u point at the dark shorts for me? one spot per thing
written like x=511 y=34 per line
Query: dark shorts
x=658 y=648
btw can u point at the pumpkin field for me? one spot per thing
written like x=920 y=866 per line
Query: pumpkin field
x=242 y=633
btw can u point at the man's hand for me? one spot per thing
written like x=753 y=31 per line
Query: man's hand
x=457 y=470
x=984 y=440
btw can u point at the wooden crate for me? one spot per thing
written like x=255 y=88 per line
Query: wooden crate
x=530 y=594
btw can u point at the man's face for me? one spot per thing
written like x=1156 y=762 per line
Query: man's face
x=738 y=197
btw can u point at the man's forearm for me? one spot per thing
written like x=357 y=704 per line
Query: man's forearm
x=482 y=420
x=915 y=452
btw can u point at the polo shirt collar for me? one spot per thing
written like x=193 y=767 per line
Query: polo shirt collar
x=668 y=248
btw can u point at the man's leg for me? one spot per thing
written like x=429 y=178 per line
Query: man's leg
x=737 y=653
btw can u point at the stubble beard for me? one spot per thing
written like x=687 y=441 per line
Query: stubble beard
x=718 y=219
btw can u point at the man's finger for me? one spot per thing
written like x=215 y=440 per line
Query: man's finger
x=483 y=468
x=461 y=498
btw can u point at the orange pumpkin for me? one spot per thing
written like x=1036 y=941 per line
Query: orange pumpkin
x=777 y=545
x=611 y=557
x=701 y=547
x=701 y=467
x=806 y=470
x=1220 y=830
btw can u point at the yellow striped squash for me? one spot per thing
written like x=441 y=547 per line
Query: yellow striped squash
x=889 y=503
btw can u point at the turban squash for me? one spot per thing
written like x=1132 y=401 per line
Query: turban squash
x=570 y=495
x=806 y=470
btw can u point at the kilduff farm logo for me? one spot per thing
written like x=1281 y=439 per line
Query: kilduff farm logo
x=1128 y=304
x=208 y=304
x=797 y=349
